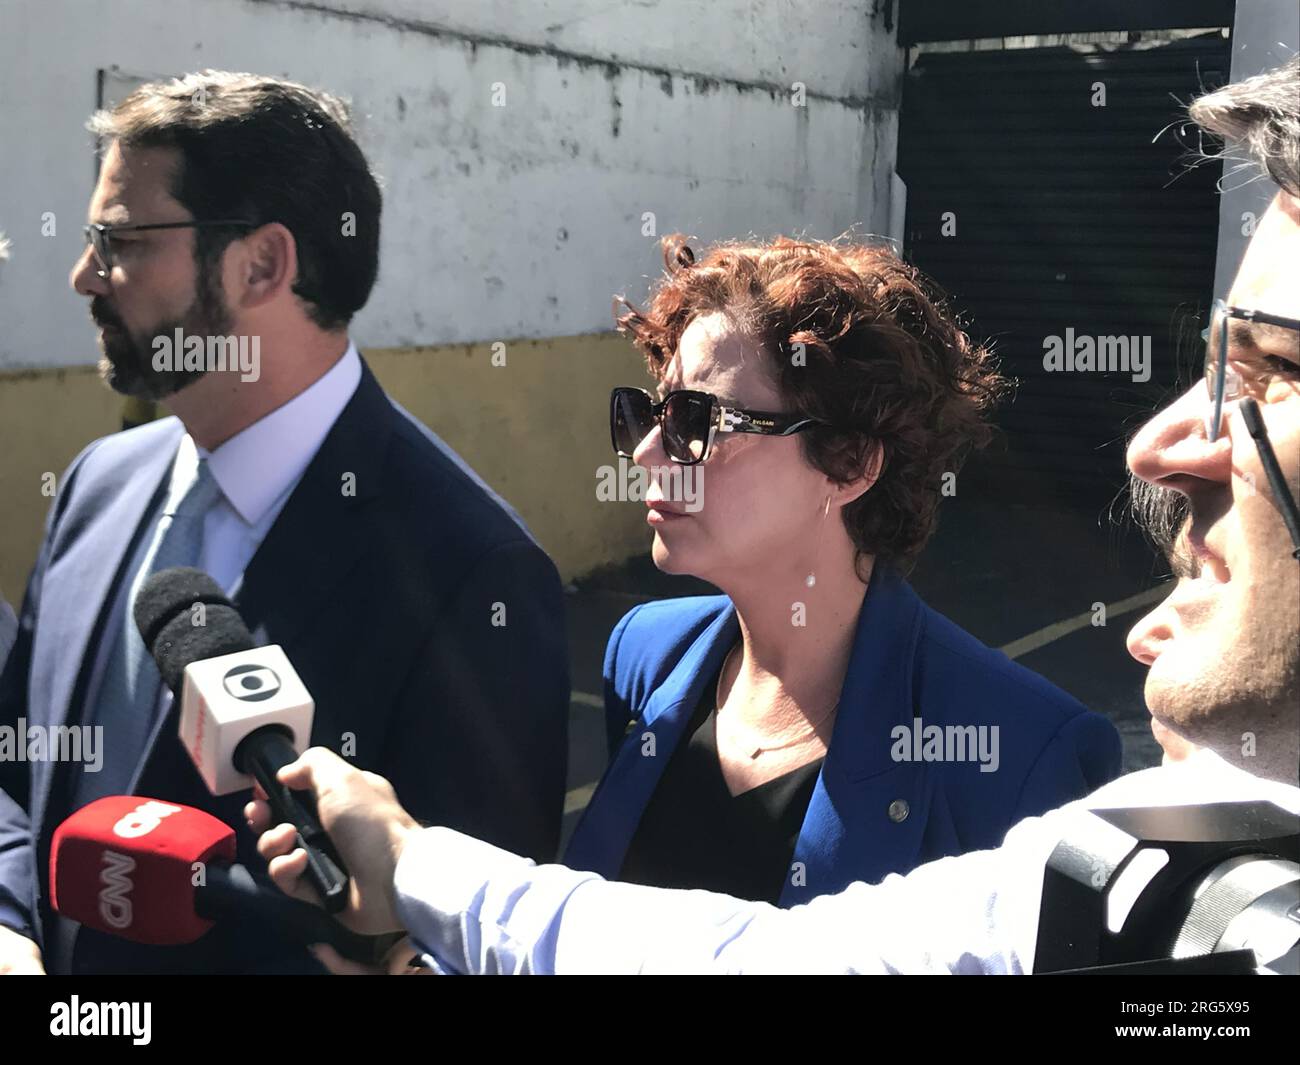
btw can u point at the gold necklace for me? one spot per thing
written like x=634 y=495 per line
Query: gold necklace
x=717 y=695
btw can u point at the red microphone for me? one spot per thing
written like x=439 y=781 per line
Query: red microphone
x=160 y=873
x=131 y=866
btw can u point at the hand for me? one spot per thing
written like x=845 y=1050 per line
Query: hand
x=19 y=956
x=397 y=962
x=361 y=814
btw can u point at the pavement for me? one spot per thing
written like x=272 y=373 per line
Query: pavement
x=1022 y=578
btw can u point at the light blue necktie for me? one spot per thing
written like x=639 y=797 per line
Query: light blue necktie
x=128 y=694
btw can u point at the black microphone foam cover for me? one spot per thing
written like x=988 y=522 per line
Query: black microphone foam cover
x=177 y=634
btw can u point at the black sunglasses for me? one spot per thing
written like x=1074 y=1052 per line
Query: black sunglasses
x=100 y=235
x=689 y=420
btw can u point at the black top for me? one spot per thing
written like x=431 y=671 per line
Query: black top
x=695 y=834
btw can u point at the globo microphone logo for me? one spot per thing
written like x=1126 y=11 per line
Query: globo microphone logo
x=251 y=683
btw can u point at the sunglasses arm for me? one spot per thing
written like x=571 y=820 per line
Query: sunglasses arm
x=730 y=421
x=740 y=421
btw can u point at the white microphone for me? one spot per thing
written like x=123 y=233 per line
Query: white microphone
x=227 y=699
x=244 y=714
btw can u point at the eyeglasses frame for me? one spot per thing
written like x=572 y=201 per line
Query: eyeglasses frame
x=1217 y=385
x=105 y=230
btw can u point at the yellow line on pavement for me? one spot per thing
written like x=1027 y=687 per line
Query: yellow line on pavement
x=1053 y=632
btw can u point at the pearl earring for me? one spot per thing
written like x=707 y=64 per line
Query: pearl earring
x=811 y=579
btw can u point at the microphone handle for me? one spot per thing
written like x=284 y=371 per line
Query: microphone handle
x=233 y=891
x=262 y=754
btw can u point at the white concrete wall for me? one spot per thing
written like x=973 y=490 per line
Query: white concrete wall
x=823 y=43
x=1265 y=33
x=499 y=222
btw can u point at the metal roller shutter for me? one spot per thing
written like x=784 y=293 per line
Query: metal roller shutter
x=1067 y=217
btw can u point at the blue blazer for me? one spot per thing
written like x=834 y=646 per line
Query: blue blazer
x=869 y=815
x=383 y=601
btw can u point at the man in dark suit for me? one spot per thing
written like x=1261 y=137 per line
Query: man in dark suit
x=234 y=232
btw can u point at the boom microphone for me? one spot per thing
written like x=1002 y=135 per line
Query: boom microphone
x=159 y=873
x=244 y=713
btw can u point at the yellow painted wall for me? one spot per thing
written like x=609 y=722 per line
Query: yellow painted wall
x=46 y=418
x=536 y=429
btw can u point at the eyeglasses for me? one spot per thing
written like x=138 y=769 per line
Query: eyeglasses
x=689 y=420
x=100 y=236
x=1224 y=383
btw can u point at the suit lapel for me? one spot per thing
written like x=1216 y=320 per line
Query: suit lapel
x=848 y=831
x=101 y=531
x=601 y=840
x=319 y=536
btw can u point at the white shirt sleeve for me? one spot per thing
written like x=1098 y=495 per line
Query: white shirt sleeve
x=479 y=909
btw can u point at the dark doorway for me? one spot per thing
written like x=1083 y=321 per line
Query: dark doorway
x=1045 y=214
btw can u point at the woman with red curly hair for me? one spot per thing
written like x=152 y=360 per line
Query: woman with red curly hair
x=817 y=723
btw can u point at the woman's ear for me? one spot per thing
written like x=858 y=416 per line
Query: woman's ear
x=846 y=493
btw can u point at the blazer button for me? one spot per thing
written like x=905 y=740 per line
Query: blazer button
x=898 y=811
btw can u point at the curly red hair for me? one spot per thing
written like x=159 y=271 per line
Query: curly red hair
x=881 y=359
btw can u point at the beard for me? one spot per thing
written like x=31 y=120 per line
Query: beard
x=126 y=362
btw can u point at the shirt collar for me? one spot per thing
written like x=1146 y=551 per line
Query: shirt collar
x=257 y=466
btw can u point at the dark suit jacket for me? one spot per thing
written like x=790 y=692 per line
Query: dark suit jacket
x=871 y=812
x=385 y=602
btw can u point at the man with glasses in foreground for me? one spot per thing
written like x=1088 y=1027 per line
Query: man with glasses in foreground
x=1224 y=664
x=232 y=207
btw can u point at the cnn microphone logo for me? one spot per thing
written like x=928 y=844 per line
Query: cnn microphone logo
x=115 y=895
